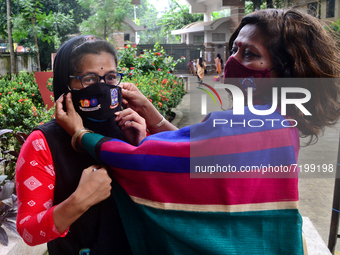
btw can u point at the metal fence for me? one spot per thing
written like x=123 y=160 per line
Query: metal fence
x=177 y=51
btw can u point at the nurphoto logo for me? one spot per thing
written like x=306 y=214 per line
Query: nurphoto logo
x=249 y=89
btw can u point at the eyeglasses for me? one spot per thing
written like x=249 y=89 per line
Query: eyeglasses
x=90 y=79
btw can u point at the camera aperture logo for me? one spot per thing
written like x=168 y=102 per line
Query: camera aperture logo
x=239 y=103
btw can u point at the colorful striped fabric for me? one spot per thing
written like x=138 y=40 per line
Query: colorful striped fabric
x=167 y=207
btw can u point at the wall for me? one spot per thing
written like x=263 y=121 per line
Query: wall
x=24 y=62
x=303 y=5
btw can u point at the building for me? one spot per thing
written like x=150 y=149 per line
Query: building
x=129 y=35
x=214 y=34
x=327 y=10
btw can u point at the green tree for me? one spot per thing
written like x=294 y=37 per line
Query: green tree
x=62 y=32
x=147 y=15
x=10 y=41
x=177 y=17
x=253 y=5
x=334 y=30
x=33 y=22
x=107 y=16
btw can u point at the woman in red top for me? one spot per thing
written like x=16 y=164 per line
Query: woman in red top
x=64 y=198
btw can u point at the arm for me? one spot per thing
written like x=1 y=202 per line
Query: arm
x=93 y=187
x=35 y=180
x=135 y=100
x=38 y=222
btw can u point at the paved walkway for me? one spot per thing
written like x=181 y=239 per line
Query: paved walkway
x=316 y=190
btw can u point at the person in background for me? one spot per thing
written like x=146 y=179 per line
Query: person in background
x=218 y=64
x=64 y=195
x=200 y=69
x=194 y=66
x=191 y=68
x=169 y=211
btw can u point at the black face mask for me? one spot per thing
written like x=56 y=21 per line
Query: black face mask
x=97 y=102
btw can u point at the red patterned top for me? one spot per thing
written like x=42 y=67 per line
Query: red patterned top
x=35 y=181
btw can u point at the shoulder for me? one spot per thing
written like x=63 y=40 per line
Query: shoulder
x=36 y=140
x=51 y=129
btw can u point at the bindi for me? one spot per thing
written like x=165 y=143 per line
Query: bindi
x=239 y=44
x=101 y=68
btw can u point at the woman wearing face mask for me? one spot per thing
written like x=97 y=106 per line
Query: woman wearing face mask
x=237 y=210
x=64 y=196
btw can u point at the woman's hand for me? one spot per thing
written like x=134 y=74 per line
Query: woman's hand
x=94 y=186
x=133 y=98
x=70 y=121
x=132 y=124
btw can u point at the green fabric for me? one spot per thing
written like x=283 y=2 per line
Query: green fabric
x=155 y=231
x=89 y=142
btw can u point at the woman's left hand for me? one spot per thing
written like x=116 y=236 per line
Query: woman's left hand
x=132 y=124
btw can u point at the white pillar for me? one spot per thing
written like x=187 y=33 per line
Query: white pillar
x=183 y=38
x=190 y=38
x=207 y=16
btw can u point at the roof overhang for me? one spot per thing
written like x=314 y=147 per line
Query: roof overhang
x=133 y=25
x=206 y=6
x=201 y=26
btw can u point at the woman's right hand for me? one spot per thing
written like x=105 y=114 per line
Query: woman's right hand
x=94 y=186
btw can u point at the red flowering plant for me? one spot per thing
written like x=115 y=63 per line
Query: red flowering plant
x=22 y=82
x=151 y=61
x=164 y=92
x=19 y=113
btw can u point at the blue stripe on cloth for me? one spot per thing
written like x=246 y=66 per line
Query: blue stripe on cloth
x=274 y=157
x=146 y=162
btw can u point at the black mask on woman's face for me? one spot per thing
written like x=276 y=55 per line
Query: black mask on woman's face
x=97 y=102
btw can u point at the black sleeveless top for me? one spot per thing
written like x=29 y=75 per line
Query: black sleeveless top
x=100 y=228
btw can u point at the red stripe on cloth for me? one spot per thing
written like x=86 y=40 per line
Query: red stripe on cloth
x=180 y=188
x=241 y=143
x=151 y=147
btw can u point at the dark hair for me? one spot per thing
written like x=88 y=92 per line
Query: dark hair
x=95 y=45
x=69 y=56
x=300 y=47
x=219 y=56
x=200 y=62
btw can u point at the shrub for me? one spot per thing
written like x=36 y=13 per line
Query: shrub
x=165 y=91
x=23 y=83
x=152 y=61
x=8 y=215
x=152 y=73
x=10 y=145
x=18 y=112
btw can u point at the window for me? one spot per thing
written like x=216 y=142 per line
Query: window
x=198 y=39
x=312 y=9
x=126 y=37
x=330 y=6
x=217 y=37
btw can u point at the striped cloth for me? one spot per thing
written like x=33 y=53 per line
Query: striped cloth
x=167 y=207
